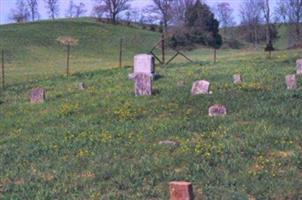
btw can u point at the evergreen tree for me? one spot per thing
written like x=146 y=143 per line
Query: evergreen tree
x=200 y=28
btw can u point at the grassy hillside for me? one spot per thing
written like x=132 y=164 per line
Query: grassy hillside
x=32 y=49
x=102 y=143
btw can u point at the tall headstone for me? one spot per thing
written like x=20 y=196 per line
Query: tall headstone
x=299 y=66
x=181 y=190
x=291 y=82
x=200 y=87
x=237 y=79
x=37 y=95
x=143 y=84
x=144 y=63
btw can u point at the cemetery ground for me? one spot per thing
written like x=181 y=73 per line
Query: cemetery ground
x=103 y=142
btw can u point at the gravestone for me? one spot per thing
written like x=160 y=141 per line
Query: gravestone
x=143 y=63
x=217 y=110
x=291 y=82
x=37 y=95
x=82 y=86
x=168 y=143
x=299 y=66
x=180 y=190
x=237 y=79
x=200 y=87
x=143 y=84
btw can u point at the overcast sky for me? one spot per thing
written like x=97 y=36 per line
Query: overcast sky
x=7 y=5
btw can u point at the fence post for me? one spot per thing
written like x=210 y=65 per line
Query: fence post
x=121 y=53
x=68 y=54
x=163 y=47
x=2 y=67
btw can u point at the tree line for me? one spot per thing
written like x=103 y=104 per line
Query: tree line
x=187 y=21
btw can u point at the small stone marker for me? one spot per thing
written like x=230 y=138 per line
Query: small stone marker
x=200 y=87
x=37 y=95
x=217 y=110
x=181 y=191
x=291 y=82
x=168 y=143
x=143 y=84
x=299 y=66
x=237 y=79
x=82 y=86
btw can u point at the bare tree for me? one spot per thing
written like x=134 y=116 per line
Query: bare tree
x=251 y=16
x=20 y=13
x=163 y=8
x=179 y=8
x=70 y=9
x=265 y=5
x=224 y=13
x=75 y=10
x=33 y=7
x=112 y=8
x=291 y=12
x=52 y=7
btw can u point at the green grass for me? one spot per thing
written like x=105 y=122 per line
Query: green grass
x=102 y=143
x=32 y=49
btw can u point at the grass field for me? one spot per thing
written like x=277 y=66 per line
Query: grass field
x=102 y=143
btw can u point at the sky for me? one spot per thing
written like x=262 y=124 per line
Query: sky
x=7 y=5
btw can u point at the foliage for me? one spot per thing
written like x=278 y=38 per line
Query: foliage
x=200 y=28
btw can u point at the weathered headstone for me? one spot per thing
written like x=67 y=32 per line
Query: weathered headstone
x=299 y=66
x=144 y=63
x=237 y=79
x=143 y=84
x=200 y=87
x=291 y=82
x=82 y=86
x=217 y=110
x=181 y=191
x=37 y=95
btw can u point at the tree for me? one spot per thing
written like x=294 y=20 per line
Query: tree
x=112 y=8
x=179 y=8
x=200 y=28
x=52 y=7
x=224 y=12
x=33 y=7
x=162 y=8
x=70 y=10
x=251 y=16
x=21 y=13
x=290 y=11
x=268 y=31
x=75 y=10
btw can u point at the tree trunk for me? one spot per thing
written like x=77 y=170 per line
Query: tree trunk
x=113 y=18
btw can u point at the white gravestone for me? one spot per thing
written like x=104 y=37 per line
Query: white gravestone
x=291 y=82
x=200 y=87
x=143 y=63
